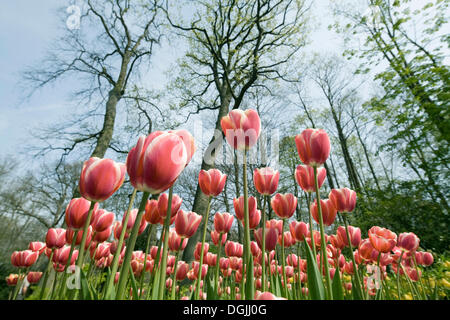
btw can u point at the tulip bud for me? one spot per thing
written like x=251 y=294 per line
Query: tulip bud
x=284 y=205
x=266 y=180
x=223 y=222
x=187 y=223
x=304 y=176
x=100 y=178
x=211 y=182
x=241 y=128
x=328 y=212
x=313 y=147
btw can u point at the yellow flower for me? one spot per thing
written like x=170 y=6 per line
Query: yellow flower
x=445 y=283
x=447 y=264
x=407 y=297
x=347 y=278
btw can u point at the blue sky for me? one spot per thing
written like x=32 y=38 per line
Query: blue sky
x=27 y=28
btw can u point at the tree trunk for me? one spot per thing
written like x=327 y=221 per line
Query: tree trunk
x=200 y=200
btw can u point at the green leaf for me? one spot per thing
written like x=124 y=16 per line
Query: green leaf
x=356 y=290
x=315 y=284
x=155 y=285
x=86 y=293
x=338 y=290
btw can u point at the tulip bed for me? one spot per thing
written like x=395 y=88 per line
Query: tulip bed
x=288 y=259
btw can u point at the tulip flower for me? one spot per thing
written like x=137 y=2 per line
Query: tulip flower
x=313 y=147
x=299 y=230
x=304 y=175
x=267 y=296
x=187 y=223
x=408 y=241
x=102 y=220
x=100 y=178
x=77 y=212
x=176 y=243
x=33 y=277
x=12 y=279
x=211 y=182
x=266 y=180
x=238 y=204
x=163 y=202
x=284 y=205
x=103 y=235
x=223 y=222
x=37 y=247
x=328 y=212
x=241 y=128
x=365 y=249
x=215 y=237
x=152 y=212
x=156 y=161
x=233 y=249
x=383 y=240
x=355 y=235
x=199 y=249
x=427 y=259
x=270 y=240
x=343 y=199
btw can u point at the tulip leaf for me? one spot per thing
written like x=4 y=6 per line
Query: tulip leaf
x=249 y=284
x=315 y=285
x=356 y=289
x=210 y=290
x=155 y=285
x=338 y=290
x=134 y=286
x=86 y=293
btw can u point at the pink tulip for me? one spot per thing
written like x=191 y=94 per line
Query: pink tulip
x=284 y=205
x=211 y=182
x=383 y=240
x=304 y=175
x=267 y=296
x=299 y=230
x=355 y=235
x=215 y=237
x=234 y=249
x=102 y=220
x=100 y=178
x=156 y=161
x=187 y=223
x=241 y=128
x=188 y=141
x=77 y=212
x=103 y=235
x=271 y=238
x=274 y=223
x=266 y=180
x=37 y=247
x=152 y=212
x=55 y=238
x=238 y=204
x=163 y=203
x=343 y=199
x=33 y=277
x=328 y=211
x=313 y=147
x=12 y=279
x=198 y=250
x=176 y=243
x=408 y=241
x=223 y=222
x=182 y=270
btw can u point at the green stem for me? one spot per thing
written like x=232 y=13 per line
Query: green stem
x=322 y=235
x=247 y=252
x=283 y=262
x=398 y=276
x=162 y=271
x=263 y=259
x=300 y=294
x=311 y=230
x=175 y=267
x=355 y=267
x=62 y=289
x=115 y=263
x=205 y=225
x=216 y=279
x=47 y=271
x=145 y=259
x=83 y=239
x=130 y=247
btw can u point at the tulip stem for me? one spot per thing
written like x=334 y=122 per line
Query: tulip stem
x=18 y=285
x=311 y=230
x=47 y=271
x=62 y=289
x=263 y=259
x=205 y=225
x=141 y=284
x=322 y=236
x=355 y=267
x=162 y=274
x=115 y=263
x=300 y=294
x=175 y=267
x=283 y=262
x=398 y=275
x=130 y=247
x=246 y=226
x=156 y=264
x=216 y=280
